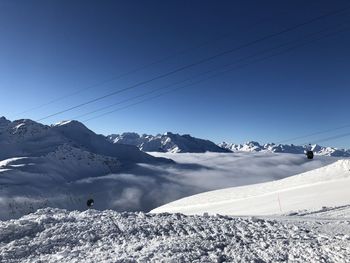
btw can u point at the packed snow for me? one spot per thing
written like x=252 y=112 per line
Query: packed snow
x=325 y=186
x=54 y=235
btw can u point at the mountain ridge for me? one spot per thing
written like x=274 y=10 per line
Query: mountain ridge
x=25 y=137
x=253 y=146
x=176 y=143
x=167 y=142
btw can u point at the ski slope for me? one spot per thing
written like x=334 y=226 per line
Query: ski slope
x=327 y=186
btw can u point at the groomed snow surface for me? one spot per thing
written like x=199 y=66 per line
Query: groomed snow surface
x=325 y=186
x=54 y=235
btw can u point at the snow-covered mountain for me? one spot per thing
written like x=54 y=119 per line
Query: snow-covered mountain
x=253 y=146
x=168 y=142
x=40 y=163
x=175 y=143
x=31 y=139
x=63 y=165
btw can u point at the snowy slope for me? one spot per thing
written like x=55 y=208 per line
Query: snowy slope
x=53 y=235
x=253 y=146
x=28 y=138
x=168 y=142
x=325 y=186
x=41 y=165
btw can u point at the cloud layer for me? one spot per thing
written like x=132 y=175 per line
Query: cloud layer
x=144 y=187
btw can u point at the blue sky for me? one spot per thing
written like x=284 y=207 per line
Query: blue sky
x=49 y=49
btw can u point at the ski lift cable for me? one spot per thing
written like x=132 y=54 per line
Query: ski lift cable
x=328 y=138
x=154 y=97
x=209 y=71
x=210 y=77
x=202 y=61
x=315 y=133
x=106 y=81
x=306 y=143
x=145 y=66
x=127 y=99
x=206 y=72
x=221 y=73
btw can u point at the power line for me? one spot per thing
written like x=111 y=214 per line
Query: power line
x=199 y=62
x=330 y=138
x=206 y=72
x=224 y=72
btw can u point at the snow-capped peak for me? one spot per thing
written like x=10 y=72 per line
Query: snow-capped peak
x=62 y=123
x=253 y=146
x=72 y=124
x=168 y=142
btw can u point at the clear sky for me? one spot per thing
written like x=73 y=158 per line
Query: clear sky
x=49 y=49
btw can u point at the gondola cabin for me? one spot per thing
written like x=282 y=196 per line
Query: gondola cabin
x=310 y=155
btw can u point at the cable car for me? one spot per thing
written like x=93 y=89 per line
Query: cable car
x=310 y=154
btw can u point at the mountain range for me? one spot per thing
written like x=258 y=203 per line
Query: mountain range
x=27 y=138
x=64 y=164
x=167 y=142
x=176 y=143
x=253 y=146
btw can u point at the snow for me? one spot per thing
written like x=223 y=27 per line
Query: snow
x=27 y=138
x=167 y=142
x=54 y=235
x=62 y=123
x=67 y=176
x=253 y=146
x=325 y=186
x=7 y=162
x=175 y=143
x=65 y=164
x=40 y=165
x=325 y=212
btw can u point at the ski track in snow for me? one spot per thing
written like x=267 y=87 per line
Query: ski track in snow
x=54 y=235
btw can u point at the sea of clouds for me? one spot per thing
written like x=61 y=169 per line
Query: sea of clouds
x=144 y=187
